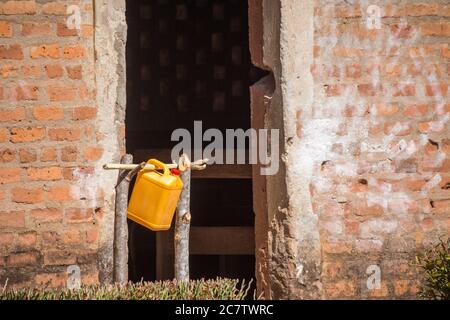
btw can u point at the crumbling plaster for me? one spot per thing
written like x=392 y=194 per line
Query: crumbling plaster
x=110 y=67
x=292 y=241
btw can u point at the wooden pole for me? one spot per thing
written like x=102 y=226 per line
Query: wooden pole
x=120 y=224
x=182 y=226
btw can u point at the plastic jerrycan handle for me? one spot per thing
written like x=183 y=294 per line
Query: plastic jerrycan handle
x=159 y=165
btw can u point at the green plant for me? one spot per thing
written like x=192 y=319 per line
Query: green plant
x=436 y=266
x=219 y=289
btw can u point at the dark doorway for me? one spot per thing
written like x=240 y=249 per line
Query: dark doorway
x=189 y=61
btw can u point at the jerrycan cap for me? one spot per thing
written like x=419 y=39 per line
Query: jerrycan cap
x=175 y=172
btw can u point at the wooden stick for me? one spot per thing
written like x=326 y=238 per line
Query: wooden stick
x=120 y=225
x=182 y=226
x=197 y=165
x=116 y=166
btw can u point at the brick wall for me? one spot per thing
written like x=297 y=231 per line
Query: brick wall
x=381 y=140
x=377 y=136
x=51 y=205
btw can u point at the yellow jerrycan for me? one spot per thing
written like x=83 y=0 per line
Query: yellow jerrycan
x=155 y=197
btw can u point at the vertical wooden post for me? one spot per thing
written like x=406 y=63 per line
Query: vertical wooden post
x=182 y=226
x=120 y=225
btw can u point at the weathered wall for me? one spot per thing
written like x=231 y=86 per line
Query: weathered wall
x=380 y=131
x=365 y=121
x=58 y=92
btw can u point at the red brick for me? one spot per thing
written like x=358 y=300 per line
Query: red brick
x=421 y=52
x=436 y=90
x=46 y=51
x=431 y=126
x=51 y=280
x=381 y=292
x=393 y=69
x=437 y=29
x=87 y=94
x=63 y=31
x=445 y=11
x=91 y=278
x=15 y=114
x=18 y=7
x=332 y=269
x=385 y=109
x=27 y=196
x=19 y=135
x=72 y=236
x=36 y=28
x=92 y=235
x=46 y=215
x=418 y=110
x=50 y=238
x=5 y=29
x=45 y=174
x=69 y=154
x=78 y=173
x=48 y=113
x=340 y=289
x=60 y=193
x=427 y=224
x=64 y=134
x=15 y=219
x=404 y=90
x=54 y=71
x=74 y=72
x=84 y=113
x=27 y=155
x=3 y=134
x=54 y=8
x=354 y=70
x=7 y=155
x=27 y=240
x=77 y=215
x=8 y=70
x=445 y=52
x=31 y=71
x=23 y=259
x=348 y=52
x=60 y=93
x=440 y=206
x=24 y=92
x=13 y=52
x=334 y=90
x=402 y=31
x=370 y=90
x=55 y=257
x=347 y=12
x=9 y=175
x=6 y=240
x=422 y=9
x=93 y=153
x=48 y=154
x=337 y=247
x=74 y=51
x=390 y=11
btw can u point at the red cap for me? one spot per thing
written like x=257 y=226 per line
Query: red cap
x=175 y=172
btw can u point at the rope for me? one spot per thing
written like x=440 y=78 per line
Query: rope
x=184 y=164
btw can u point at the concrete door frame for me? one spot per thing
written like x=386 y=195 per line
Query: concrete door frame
x=288 y=252
x=288 y=259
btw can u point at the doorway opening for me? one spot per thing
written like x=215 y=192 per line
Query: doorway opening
x=189 y=61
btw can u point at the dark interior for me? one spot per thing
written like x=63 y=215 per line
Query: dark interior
x=188 y=61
